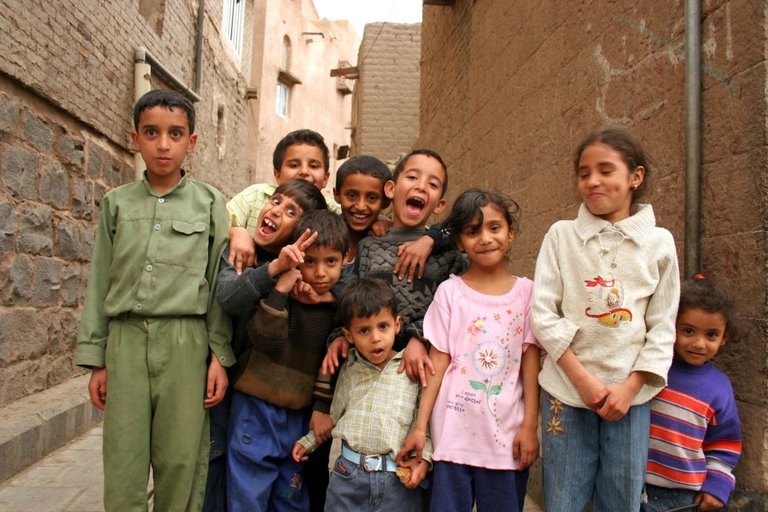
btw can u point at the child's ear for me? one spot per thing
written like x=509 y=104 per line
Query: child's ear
x=637 y=177
x=135 y=139
x=192 y=142
x=277 y=176
x=398 y=322
x=440 y=206
x=389 y=189
x=385 y=202
x=347 y=335
x=336 y=195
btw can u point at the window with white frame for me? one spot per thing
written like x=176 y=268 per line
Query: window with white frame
x=232 y=22
x=281 y=105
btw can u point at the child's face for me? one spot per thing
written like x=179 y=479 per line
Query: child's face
x=163 y=139
x=487 y=244
x=305 y=162
x=322 y=267
x=417 y=192
x=374 y=336
x=605 y=182
x=361 y=198
x=276 y=222
x=700 y=334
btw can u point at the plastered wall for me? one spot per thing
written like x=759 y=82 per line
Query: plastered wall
x=508 y=89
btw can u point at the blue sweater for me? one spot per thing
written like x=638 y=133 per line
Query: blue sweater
x=695 y=432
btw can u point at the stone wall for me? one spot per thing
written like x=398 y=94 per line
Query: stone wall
x=386 y=107
x=508 y=89
x=66 y=93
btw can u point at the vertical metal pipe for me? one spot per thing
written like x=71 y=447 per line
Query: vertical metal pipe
x=141 y=85
x=199 y=46
x=692 y=263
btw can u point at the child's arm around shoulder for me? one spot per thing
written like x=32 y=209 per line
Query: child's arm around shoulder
x=218 y=323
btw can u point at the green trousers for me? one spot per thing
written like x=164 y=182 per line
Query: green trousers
x=156 y=377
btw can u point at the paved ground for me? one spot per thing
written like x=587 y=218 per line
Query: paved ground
x=70 y=480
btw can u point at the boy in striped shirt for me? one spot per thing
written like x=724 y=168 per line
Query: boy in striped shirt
x=695 y=429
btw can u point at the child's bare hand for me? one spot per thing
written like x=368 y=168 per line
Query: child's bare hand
x=299 y=453
x=322 y=425
x=216 y=384
x=413 y=446
x=287 y=280
x=708 y=502
x=380 y=227
x=305 y=294
x=416 y=361
x=525 y=446
x=292 y=255
x=617 y=401
x=592 y=391
x=97 y=387
x=242 y=249
x=419 y=470
x=337 y=352
x=412 y=258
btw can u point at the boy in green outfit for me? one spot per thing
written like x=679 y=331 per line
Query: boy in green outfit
x=152 y=334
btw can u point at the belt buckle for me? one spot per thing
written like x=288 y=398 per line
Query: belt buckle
x=379 y=462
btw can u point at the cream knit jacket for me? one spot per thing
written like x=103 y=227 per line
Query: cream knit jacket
x=610 y=293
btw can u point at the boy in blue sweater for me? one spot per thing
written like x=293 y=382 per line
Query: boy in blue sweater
x=695 y=428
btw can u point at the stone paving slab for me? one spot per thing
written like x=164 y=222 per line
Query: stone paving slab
x=71 y=480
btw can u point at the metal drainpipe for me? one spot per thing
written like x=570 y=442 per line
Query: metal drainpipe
x=144 y=62
x=692 y=137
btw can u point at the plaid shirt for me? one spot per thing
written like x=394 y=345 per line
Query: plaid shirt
x=245 y=207
x=373 y=410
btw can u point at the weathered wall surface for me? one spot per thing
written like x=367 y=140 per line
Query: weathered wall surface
x=316 y=47
x=386 y=108
x=66 y=92
x=509 y=89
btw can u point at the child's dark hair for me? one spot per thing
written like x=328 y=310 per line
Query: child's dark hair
x=331 y=230
x=303 y=136
x=164 y=98
x=306 y=194
x=365 y=298
x=626 y=145
x=428 y=152
x=467 y=211
x=703 y=293
x=363 y=164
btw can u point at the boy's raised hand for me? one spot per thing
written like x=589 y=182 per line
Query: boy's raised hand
x=412 y=258
x=416 y=361
x=338 y=350
x=380 y=227
x=216 y=383
x=292 y=255
x=242 y=249
x=97 y=387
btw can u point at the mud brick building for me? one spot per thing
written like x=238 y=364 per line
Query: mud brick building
x=508 y=89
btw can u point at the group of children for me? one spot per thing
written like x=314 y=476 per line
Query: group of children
x=295 y=319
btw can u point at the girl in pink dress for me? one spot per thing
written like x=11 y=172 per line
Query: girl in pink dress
x=482 y=402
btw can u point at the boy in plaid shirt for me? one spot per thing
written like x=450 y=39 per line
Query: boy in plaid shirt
x=373 y=408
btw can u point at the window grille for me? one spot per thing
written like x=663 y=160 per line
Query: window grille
x=232 y=23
